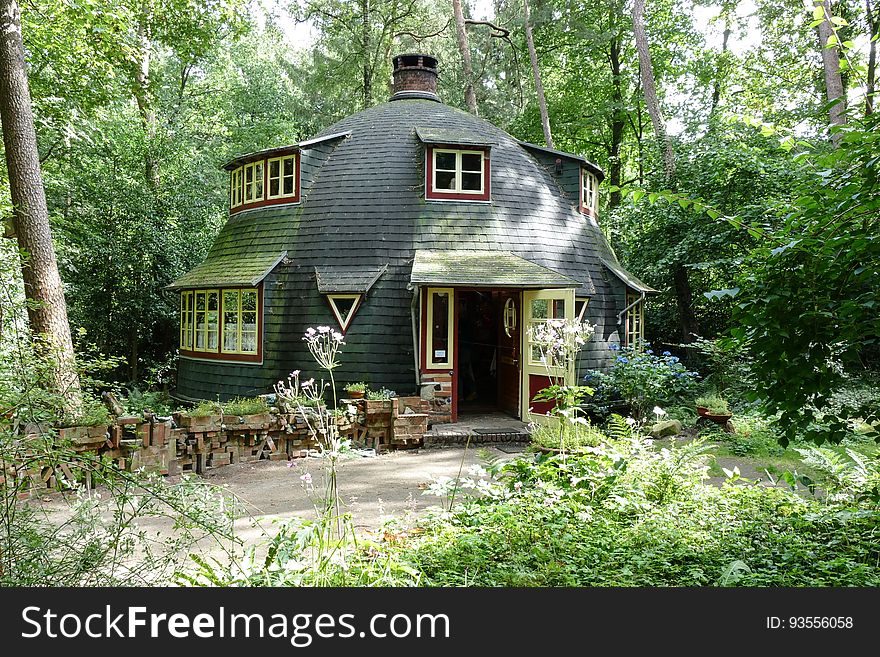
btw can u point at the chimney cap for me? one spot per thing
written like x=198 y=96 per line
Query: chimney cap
x=415 y=76
x=415 y=60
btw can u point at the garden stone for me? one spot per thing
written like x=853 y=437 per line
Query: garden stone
x=666 y=428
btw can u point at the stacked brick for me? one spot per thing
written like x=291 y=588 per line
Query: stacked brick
x=389 y=423
x=199 y=444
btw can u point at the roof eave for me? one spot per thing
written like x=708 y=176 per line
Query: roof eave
x=281 y=150
x=594 y=168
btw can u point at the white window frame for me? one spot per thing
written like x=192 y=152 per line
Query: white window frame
x=589 y=187
x=281 y=176
x=430 y=362
x=586 y=302
x=252 y=186
x=458 y=171
x=205 y=348
x=346 y=322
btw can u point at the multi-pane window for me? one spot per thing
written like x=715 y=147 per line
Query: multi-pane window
x=265 y=182
x=253 y=182
x=542 y=310
x=589 y=192
x=235 y=188
x=282 y=177
x=635 y=319
x=239 y=321
x=207 y=320
x=220 y=321
x=458 y=173
x=186 y=320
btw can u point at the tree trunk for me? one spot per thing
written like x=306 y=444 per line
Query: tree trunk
x=684 y=298
x=833 y=80
x=47 y=312
x=716 y=87
x=618 y=124
x=464 y=48
x=872 y=58
x=144 y=99
x=646 y=71
x=536 y=72
x=365 y=44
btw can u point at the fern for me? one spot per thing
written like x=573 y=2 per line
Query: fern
x=619 y=428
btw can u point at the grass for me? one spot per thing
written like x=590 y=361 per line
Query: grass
x=576 y=436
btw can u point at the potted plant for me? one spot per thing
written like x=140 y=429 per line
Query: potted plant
x=713 y=408
x=356 y=390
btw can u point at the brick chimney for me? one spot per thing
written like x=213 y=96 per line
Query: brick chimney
x=415 y=76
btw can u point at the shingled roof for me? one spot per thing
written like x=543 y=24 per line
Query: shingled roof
x=621 y=273
x=484 y=269
x=230 y=271
x=363 y=207
x=350 y=279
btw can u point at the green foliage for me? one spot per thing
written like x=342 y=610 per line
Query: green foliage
x=644 y=379
x=204 y=408
x=381 y=394
x=572 y=435
x=807 y=312
x=158 y=402
x=246 y=406
x=714 y=404
x=625 y=515
x=358 y=386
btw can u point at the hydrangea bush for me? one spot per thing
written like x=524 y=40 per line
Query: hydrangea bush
x=643 y=379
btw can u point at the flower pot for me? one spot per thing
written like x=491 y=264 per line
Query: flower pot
x=719 y=418
x=355 y=394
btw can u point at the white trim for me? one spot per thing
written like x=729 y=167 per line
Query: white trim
x=458 y=171
x=331 y=299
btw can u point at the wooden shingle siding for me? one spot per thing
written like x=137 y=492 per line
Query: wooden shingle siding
x=363 y=203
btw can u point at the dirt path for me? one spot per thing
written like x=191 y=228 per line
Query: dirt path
x=373 y=489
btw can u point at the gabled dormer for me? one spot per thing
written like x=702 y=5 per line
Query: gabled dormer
x=457 y=165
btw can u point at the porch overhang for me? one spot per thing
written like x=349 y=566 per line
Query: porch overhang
x=490 y=269
x=628 y=279
x=229 y=271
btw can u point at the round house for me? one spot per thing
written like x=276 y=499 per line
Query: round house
x=429 y=237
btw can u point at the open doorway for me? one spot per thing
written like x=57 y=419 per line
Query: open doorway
x=478 y=316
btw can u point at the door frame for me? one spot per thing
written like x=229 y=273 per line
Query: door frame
x=528 y=369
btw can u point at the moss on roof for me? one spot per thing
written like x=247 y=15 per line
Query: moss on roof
x=230 y=271
x=484 y=269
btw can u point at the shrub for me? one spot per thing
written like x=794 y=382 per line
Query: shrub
x=204 y=408
x=246 y=406
x=380 y=395
x=644 y=379
x=714 y=404
x=573 y=436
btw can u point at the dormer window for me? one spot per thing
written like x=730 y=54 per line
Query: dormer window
x=589 y=193
x=282 y=177
x=457 y=174
x=253 y=182
x=264 y=181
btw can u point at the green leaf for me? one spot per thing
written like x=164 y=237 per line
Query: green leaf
x=819 y=12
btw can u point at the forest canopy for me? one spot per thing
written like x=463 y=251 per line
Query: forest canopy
x=739 y=141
